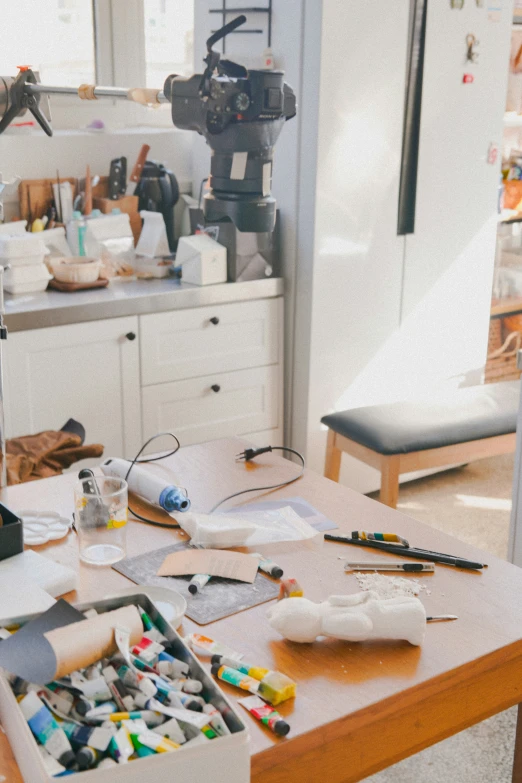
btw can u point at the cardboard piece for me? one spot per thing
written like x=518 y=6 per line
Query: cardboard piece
x=61 y=640
x=220 y=598
x=83 y=643
x=216 y=562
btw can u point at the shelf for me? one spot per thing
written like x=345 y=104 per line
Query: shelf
x=512 y=304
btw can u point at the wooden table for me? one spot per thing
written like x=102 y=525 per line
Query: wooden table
x=360 y=707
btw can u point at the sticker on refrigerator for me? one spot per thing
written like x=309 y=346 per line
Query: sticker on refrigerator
x=492 y=156
x=458 y=4
x=494 y=10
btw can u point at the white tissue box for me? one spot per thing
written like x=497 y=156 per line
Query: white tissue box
x=203 y=260
x=227 y=757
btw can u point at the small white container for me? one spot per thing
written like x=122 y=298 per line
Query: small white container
x=76 y=269
x=26 y=279
x=22 y=249
x=227 y=757
x=14 y=228
x=203 y=261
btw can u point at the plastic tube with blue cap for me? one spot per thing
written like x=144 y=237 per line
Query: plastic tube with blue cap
x=148 y=485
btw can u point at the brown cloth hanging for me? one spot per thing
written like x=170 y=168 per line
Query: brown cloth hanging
x=48 y=453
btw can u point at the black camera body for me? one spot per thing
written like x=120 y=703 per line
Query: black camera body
x=241 y=114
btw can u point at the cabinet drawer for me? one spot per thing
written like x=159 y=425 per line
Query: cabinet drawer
x=244 y=401
x=205 y=340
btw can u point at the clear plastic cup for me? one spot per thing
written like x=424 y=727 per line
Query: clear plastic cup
x=101 y=519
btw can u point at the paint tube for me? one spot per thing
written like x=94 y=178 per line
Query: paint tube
x=82 y=705
x=151 y=717
x=257 y=672
x=157 y=743
x=147 y=650
x=234 y=677
x=134 y=728
x=94 y=736
x=95 y=689
x=59 y=699
x=121 y=747
x=202 y=645
x=119 y=692
x=290 y=588
x=171 y=666
x=268 y=566
x=46 y=729
x=188 y=685
x=216 y=720
x=172 y=730
x=87 y=757
x=183 y=716
x=266 y=714
x=134 y=679
x=101 y=711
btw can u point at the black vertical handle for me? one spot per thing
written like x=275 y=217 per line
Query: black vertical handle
x=412 y=117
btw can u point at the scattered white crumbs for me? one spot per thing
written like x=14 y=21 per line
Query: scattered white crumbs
x=390 y=586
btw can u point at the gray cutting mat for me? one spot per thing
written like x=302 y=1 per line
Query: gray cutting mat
x=219 y=598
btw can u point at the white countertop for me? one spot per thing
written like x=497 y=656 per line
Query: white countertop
x=54 y=308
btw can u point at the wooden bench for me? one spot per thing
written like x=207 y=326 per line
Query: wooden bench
x=402 y=437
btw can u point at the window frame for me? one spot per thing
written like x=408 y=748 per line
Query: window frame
x=119 y=29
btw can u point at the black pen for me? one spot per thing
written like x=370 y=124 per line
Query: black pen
x=421 y=554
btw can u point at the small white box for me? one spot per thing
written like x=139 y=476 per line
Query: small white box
x=227 y=757
x=23 y=249
x=203 y=260
x=26 y=279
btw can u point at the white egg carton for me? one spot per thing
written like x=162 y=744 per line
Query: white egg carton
x=21 y=250
x=26 y=279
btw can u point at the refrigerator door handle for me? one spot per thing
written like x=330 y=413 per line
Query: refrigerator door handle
x=412 y=117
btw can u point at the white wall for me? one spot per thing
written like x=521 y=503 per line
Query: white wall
x=33 y=155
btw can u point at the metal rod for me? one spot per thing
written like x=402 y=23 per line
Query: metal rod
x=99 y=92
x=239 y=10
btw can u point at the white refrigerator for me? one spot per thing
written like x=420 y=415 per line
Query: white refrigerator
x=399 y=170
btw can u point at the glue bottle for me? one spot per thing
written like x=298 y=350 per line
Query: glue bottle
x=147 y=484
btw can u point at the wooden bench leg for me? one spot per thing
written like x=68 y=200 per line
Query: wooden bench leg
x=332 y=465
x=517 y=760
x=390 y=469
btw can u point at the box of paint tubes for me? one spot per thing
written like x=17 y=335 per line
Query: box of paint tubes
x=146 y=710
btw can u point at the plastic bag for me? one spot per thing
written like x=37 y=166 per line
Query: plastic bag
x=219 y=531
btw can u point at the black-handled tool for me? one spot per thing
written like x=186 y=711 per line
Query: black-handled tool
x=118 y=178
x=419 y=554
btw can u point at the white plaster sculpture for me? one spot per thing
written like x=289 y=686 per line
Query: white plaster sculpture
x=354 y=618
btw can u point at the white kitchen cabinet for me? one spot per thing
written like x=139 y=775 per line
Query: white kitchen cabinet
x=215 y=406
x=87 y=371
x=215 y=339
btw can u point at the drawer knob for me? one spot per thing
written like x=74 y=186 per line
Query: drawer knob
x=131 y=336
x=214 y=320
x=215 y=387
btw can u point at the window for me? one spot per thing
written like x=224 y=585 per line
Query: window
x=169 y=39
x=128 y=43
x=57 y=40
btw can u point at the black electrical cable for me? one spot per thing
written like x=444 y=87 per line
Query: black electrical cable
x=248 y=455
x=139 y=461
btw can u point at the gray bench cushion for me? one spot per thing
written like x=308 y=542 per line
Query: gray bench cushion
x=398 y=428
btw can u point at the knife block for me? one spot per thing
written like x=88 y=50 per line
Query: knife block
x=127 y=205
